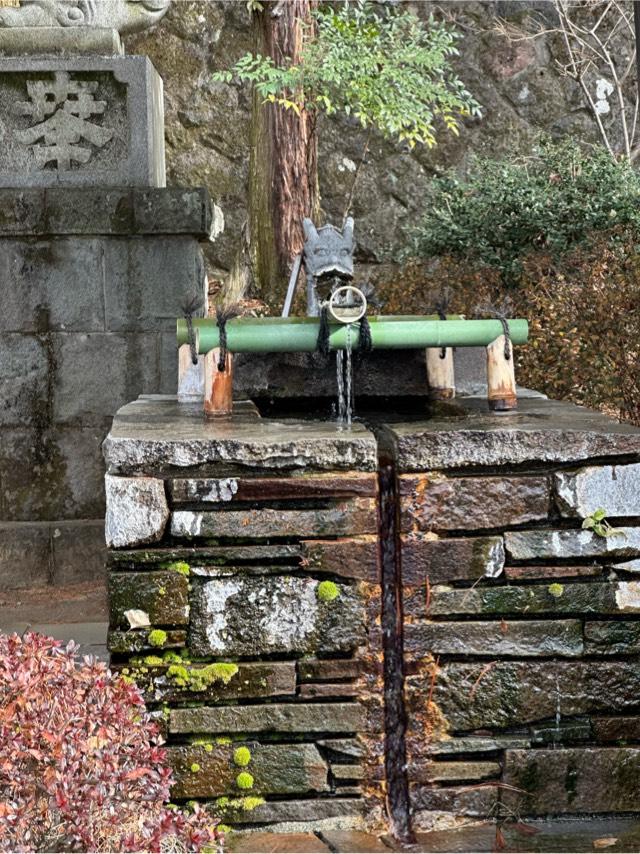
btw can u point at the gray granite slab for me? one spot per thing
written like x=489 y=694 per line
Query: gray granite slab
x=160 y=435
x=466 y=434
x=56 y=41
x=81 y=121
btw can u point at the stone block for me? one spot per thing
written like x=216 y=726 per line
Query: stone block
x=349 y=518
x=458 y=800
x=267 y=615
x=552 y=573
x=162 y=596
x=149 y=281
x=96 y=371
x=540 y=431
x=324 y=669
x=251 y=681
x=137 y=510
x=556 y=545
x=443 y=560
x=112 y=105
x=624 y=729
x=340 y=810
x=584 y=780
x=86 y=211
x=60 y=476
x=279 y=769
x=259 y=489
x=453 y=772
x=476 y=744
x=166 y=436
x=28 y=366
x=518 y=638
x=437 y=503
x=79 y=552
x=612 y=597
x=25 y=555
x=350 y=557
x=616 y=489
x=138 y=641
x=52 y=41
x=285 y=718
x=21 y=212
x=173 y=210
x=52 y=285
x=612 y=637
x=512 y=693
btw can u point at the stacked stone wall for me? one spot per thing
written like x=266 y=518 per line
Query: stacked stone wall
x=258 y=593
x=521 y=635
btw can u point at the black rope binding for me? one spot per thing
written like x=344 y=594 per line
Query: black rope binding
x=190 y=306
x=440 y=307
x=223 y=315
x=366 y=342
x=324 y=331
x=501 y=313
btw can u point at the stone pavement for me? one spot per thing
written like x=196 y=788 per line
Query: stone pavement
x=555 y=836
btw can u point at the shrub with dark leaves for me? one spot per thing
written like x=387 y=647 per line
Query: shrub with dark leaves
x=81 y=767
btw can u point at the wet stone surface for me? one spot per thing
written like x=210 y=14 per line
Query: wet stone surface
x=267 y=615
x=613 y=488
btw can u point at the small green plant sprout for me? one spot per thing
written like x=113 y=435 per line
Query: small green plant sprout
x=244 y=780
x=157 y=637
x=242 y=756
x=327 y=591
x=556 y=590
x=597 y=523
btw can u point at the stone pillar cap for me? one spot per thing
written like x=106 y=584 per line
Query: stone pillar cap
x=60 y=41
x=125 y=16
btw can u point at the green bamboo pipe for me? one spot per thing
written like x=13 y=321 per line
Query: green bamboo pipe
x=300 y=334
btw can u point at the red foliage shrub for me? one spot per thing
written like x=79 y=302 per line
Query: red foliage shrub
x=81 y=768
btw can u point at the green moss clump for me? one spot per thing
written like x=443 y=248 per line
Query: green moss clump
x=244 y=780
x=195 y=768
x=127 y=679
x=198 y=679
x=556 y=590
x=157 y=637
x=242 y=756
x=251 y=802
x=154 y=661
x=224 y=828
x=223 y=739
x=171 y=657
x=327 y=591
x=178 y=566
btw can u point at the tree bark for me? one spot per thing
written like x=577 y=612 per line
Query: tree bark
x=283 y=172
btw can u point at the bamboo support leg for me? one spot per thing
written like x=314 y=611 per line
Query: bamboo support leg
x=501 y=380
x=218 y=385
x=190 y=376
x=440 y=373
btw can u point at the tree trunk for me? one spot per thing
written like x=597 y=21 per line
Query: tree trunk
x=283 y=177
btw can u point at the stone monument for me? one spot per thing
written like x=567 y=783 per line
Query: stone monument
x=96 y=258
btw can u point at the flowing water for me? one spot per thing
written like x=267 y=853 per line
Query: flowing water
x=344 y=376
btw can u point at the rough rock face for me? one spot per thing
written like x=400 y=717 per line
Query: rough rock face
x=520 y=90
x=137 y=510
x=615 y=489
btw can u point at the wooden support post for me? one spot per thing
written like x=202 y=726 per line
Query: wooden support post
x=218 y=385
x=440 y=373
x=190 y=376
x=501 y=380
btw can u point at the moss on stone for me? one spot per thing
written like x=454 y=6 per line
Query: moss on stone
x=198 y=679
x=242 y=756
x=154 y=661
x=224 y=828
x=327 y=591
x=178 y=566
x=244 y=780
x=556 y=590
x=195 y=768
x=223 y=739
x=157 y=637
x=171 y=657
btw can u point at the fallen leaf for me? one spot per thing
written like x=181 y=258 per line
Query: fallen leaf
x=137 y=619
x=605 y=842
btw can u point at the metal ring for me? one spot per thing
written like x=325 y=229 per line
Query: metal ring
x=338 y=312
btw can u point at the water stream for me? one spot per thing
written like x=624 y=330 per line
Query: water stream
x=344 y=376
